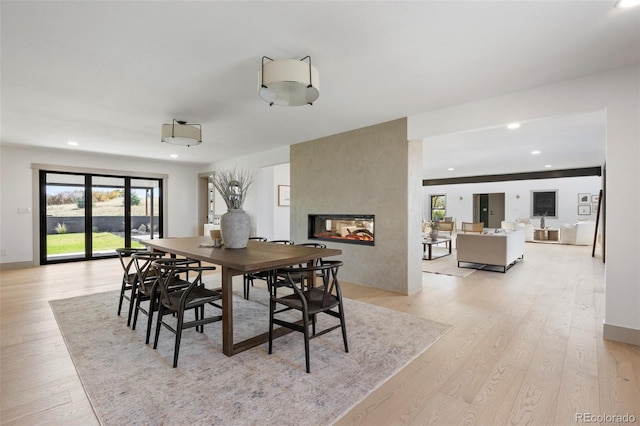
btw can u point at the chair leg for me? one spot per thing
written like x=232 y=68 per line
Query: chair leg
x=245 y=283
x=134 y=289
x=305 y=320
x=152 y=308
x=135 y=313
x=176 y=349
x=272 y=307
x=158 y=325
x=122 y=289
x=343 y=326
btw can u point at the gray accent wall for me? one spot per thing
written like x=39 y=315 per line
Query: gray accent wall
x=373 y=170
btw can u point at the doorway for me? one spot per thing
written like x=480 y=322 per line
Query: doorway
x=489 y=209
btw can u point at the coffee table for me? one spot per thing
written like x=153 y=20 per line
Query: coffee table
x=429 y=243
x=546 y=234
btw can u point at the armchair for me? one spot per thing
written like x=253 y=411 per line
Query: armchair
x=524 y=224
x=580 y=233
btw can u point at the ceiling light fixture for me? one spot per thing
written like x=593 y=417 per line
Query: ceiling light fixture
x=624 y=4
x=547 y=165
x=72 y=143
x=289 y=82
x=535 y=152
x=513 y=126
x=181 y=133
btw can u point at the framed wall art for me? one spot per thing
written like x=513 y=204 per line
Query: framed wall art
x=584 y=209
x=584 y=198
x=284 y=195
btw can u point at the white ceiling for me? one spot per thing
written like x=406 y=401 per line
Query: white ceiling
x=108 y=74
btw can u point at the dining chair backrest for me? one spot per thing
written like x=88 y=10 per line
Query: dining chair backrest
x=472 y=227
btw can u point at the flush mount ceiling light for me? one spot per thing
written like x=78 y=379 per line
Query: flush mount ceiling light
x=289 y=82
x=181 y=133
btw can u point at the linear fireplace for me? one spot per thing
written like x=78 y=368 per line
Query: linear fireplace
x=343 y=228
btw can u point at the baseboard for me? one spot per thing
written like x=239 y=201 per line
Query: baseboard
x=16 y=265
x=621 y=334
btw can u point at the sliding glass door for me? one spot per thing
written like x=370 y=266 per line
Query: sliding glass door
x=87 y=216
x=62 y=224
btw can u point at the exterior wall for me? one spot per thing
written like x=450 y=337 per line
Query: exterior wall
x=364 y=171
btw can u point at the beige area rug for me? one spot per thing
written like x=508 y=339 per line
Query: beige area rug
x=128 y=382
x=447 y=265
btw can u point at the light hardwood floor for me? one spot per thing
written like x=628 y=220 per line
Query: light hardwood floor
x=526 y=347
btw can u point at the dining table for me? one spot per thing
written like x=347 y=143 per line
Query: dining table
x=257 y=256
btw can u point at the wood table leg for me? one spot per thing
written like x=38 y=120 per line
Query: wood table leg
x=227 y=312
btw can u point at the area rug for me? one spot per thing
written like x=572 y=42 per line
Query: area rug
x=129 y=382
x=446 y=265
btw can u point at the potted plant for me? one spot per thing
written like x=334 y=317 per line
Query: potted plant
x=235 y=225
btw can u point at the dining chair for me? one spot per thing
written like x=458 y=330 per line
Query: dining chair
x=268 y=276
x=194 y=298
x=325 y=298
x=129 y=277
x=300 y=277
x=446 y=227
x=472 y=227
x=147 y=285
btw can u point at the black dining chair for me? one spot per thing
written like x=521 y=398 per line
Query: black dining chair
x=268 y=276
x=325 y=298
x=147 y=285
x=195 y=297
x=129 y=277
x=300 y=277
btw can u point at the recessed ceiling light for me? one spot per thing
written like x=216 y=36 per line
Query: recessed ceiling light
x=174 y=155
x=513 y=126
x=451 y=169
x=623 y=4
x=535 y=152
x=547 y=165
x=72 y=143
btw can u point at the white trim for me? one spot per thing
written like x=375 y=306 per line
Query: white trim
x=89 y=170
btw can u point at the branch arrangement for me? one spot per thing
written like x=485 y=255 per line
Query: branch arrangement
x=233 y=185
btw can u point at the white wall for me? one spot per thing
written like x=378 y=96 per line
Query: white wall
x=567 y=208
x=266 y=167
x=18 y=236
x=616 y=91
x=272 y=220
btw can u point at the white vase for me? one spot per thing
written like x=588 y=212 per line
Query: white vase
x=235 y=227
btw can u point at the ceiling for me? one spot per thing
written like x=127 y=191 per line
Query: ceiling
x=108 y=74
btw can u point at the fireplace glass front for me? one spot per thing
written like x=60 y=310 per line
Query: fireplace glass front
x=353 y=229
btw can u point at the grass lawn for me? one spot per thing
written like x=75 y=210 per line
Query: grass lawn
x=74 y=243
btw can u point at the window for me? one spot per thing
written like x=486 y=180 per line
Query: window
x=543 y=203
x=438 y=206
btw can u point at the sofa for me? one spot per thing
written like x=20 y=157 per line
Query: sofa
x=521 y=223
x=580 y=233
x=501 y=249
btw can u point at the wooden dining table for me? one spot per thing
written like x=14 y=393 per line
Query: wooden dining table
x=257 y=256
